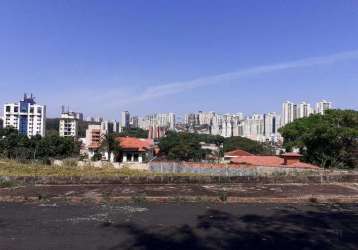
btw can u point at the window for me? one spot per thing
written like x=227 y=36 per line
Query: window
x=8 y=108
x=39 y=110
x=32 y=110
x=16 y=109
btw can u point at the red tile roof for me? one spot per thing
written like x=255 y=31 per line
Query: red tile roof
x=135 y=143
x=237 y=152
x=270 y=161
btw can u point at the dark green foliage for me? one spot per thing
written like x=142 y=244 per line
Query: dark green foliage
x=134 y=132
x=111 y=145
x=52 y=126
x=20 y=147
x=96 y=157
x=253 y=147
x=186 y=146
x=329 y=140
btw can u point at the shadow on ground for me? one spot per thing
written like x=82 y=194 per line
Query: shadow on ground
x=285 y=229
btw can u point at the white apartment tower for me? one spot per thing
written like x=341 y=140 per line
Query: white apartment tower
x=289 y=112
x=26 y=116
x=68 y=126
x=304 y=110
x=322 y=106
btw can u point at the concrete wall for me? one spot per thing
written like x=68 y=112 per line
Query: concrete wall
x=56 y=180
x=223 y=169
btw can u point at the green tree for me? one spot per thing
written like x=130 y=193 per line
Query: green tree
x=329 y=140
x=16 y=146
x=187 y=146
x=134 y=132
x=253 y=147
x=111 y=145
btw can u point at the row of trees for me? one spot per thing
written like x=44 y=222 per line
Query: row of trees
x=188 y=146
x=329 y=140
x=16 y=146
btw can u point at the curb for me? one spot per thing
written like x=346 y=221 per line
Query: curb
x=188 y=199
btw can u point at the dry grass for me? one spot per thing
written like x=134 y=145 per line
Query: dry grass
x=11 y=168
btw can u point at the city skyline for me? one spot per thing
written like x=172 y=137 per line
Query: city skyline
x=105 y=57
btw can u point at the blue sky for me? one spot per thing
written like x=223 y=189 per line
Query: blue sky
x=102 y=57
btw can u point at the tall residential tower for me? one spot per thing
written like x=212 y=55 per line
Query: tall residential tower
x=26 y=116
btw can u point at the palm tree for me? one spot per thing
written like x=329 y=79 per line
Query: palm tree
x=111 y=145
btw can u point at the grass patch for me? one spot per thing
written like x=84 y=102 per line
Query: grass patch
x=223 y=195
x=6 y=183
x=139 y=198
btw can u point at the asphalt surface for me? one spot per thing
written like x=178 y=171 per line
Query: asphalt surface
x=178 y=226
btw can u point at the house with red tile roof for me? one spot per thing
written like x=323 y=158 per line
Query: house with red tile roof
x=136 y=150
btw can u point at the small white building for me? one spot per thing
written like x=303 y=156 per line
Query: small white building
x=68 y=126
x=135 y=150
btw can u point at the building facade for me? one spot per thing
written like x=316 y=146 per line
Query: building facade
x=304 y=110
x=68 y=125
x=125 y=119
x=26 y=116
x=322 y=106
x=289 y=112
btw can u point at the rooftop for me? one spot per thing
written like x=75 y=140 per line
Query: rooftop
x=269 y=161
x=133 y=143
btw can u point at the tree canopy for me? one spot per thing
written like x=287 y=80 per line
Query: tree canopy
x=329 y=140
x=251 y=146
x=16 y=146
x=111 y=146
x=187 y=146
x=134 y=132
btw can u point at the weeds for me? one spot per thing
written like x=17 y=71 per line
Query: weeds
x=223 y=195
x=6 y=183
x=139 y=198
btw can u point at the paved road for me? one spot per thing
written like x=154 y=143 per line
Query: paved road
x=178 y=226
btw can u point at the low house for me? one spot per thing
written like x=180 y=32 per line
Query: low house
x=284 y=160
x=136 y=150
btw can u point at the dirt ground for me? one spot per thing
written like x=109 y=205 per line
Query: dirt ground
x=334 y=192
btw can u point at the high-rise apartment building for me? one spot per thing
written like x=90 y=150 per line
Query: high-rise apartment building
x=166 y=120
x=26 y=116
x=322 y=106
x=108 y=127
x=134 y=122
x=68 y=124
x=304 y=110
x=289 y=112
x=125 y=119
x=272 y=122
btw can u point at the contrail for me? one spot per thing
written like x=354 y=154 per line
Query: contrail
x=177 y=87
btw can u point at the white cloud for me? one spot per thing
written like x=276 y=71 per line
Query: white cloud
x=177 y=87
